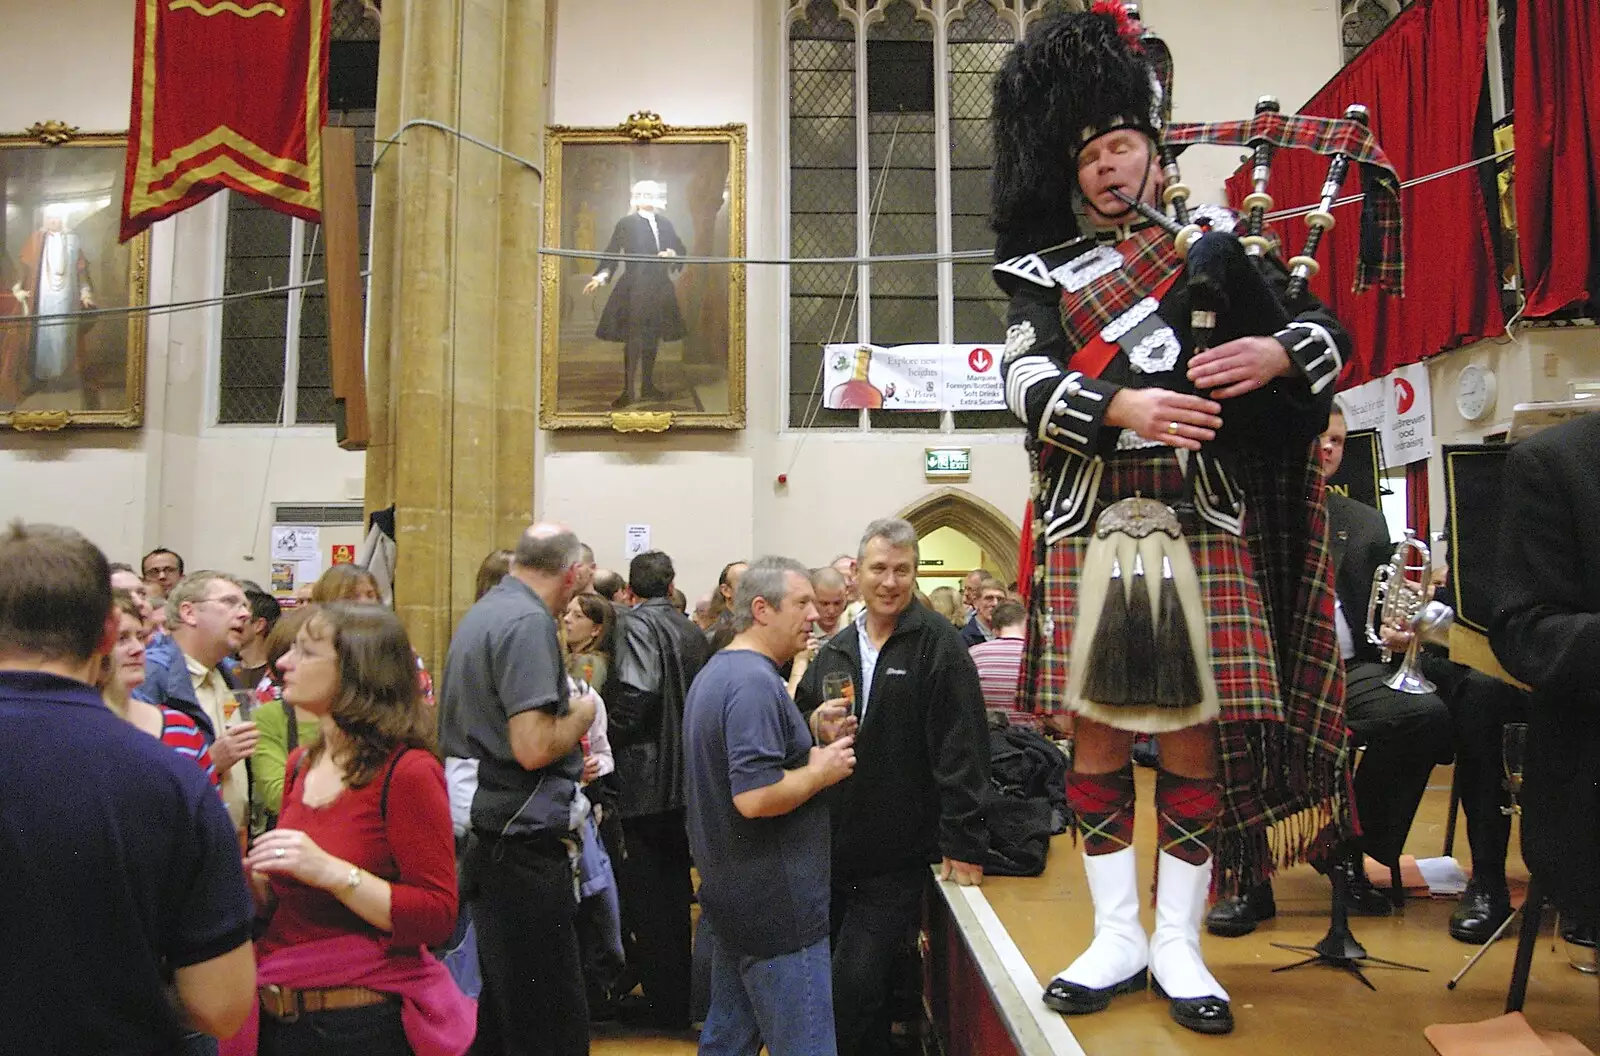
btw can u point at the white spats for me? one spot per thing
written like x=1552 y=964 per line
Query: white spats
x=1120 y=949
x=1175 y=962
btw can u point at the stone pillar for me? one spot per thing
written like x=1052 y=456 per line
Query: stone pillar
x=453 y=355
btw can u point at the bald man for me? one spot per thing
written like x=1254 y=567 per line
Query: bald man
x=511 y=740
x=830 y=592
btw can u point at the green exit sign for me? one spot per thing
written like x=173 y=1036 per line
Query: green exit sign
x=943 y=463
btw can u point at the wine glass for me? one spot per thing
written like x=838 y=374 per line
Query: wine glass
x=1514 y=755
x=839 y=685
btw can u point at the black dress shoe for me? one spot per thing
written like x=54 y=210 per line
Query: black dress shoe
x=1233 y=917
x=1364 y=900
x=1203 y=1015
x=1360 y=897
x=1482 y=910
x=1070 y=999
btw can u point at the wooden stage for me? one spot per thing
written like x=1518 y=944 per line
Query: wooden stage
x=989 y=951
x=1014 y=934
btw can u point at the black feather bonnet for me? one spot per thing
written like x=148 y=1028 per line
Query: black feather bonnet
x=1074 y=77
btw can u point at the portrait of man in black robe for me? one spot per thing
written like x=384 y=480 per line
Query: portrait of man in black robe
x=642 y=309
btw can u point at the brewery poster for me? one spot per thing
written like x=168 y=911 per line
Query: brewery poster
x=929 y=377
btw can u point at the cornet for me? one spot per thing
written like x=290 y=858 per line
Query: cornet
x=1402 y=596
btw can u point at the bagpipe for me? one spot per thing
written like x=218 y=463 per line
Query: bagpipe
x=1263 y=134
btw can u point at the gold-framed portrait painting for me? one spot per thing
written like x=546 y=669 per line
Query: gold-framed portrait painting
x=68 y=356
x=656 y=341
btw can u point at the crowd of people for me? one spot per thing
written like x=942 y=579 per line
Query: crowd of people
x=592 y=747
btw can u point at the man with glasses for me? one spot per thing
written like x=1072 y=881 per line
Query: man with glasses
x=161 y=568
x=207 y=613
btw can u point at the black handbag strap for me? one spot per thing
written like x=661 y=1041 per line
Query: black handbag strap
x=293 y=741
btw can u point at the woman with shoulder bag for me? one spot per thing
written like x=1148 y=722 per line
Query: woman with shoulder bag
x=358 y=879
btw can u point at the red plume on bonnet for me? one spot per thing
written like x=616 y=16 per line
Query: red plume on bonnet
x=1127 y=28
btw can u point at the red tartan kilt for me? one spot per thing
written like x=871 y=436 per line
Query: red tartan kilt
x=1241 y=642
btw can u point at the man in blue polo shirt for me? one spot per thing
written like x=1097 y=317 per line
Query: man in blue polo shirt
x=758 y=831
x=121 y=878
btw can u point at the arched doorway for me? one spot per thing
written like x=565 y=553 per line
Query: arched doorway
x=995 y=534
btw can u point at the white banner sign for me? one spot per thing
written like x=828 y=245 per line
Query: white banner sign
x=1363 y=405
x=913 y=377
x=1398 y=405
x=1408 y=416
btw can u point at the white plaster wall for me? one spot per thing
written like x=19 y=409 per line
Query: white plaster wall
x=720 y=61
x=1228 y=53
x=179 y=481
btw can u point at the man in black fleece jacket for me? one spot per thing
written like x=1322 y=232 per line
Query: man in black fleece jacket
x=917 y=793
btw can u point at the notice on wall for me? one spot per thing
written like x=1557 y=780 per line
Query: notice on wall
x=636 y=540
x=929 y=377
x=296 y=556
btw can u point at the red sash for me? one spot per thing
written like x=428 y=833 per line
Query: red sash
x=1093 y=357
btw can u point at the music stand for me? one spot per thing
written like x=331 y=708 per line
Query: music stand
x=1339 y=948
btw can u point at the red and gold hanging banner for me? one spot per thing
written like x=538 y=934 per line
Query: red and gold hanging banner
x=226 y=93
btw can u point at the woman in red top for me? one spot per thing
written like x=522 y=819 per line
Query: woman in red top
x=359 y=876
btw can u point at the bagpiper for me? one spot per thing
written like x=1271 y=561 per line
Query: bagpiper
x=1172 y=375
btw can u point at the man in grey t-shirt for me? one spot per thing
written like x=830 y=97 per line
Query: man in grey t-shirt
x=511 y=740
x=759 y=834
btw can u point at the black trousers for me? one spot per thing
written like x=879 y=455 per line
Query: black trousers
x=1405 y=735
x=371 y=1031
x=653 y=881
x=1480 y=706
x=525 y=909
x=639 y=364
x=870 y=920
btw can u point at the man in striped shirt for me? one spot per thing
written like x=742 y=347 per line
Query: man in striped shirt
x=999 y=659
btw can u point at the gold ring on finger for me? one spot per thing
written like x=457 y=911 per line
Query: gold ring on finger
x=1172 y=427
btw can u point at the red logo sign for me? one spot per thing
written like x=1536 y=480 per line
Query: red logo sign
x=1404 y=395
x=981 y=360
x=344 y=554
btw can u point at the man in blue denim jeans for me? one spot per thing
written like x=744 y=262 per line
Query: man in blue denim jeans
x=758 y=831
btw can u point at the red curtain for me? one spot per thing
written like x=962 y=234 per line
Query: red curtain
x=1417 y=499
x=1422 y=80
x=1557 y=128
